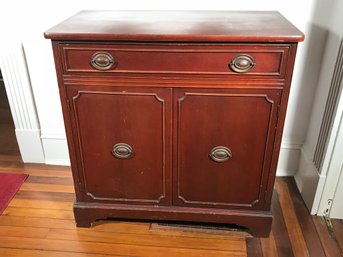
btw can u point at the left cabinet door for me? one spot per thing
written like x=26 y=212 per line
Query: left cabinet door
x=122 y=143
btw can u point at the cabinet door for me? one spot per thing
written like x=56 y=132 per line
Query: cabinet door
x=122 y=138
x=224 y=142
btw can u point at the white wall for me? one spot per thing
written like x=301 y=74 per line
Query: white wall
x=25 y=21
x=328 y=20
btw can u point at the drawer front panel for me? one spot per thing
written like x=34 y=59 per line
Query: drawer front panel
x=123 y=143
x=224 y=144
x=234 y=60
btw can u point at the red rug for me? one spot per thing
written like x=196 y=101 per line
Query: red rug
x=9 y=185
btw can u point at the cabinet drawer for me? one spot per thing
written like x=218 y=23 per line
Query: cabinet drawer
x=183 y=59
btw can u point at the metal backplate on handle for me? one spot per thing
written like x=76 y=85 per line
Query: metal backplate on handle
x=220 y=154
x=242 y=63
x=102 y=61
x=122 y=151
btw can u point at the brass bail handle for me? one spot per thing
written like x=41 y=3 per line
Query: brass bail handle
x=242 y=63
x=102 y=61
x=122 y=151
x=220 y=154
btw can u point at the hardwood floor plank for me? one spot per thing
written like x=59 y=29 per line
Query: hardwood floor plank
x=107 y=248
x=229 y=244
x=39 y=166
x=292 y=224
x=50 y=180
x=338 y=230
x=10 y=158
x=330 y=246
x=20 y=221
x=112 y=227
x=308 y=228
x=15 y=162
x=269 y=246
x=8 y=252
x=254 y=247
x=8 y=140
x=39 y=213
x=30 y=232
x=51 y=196
x=140 y=228
x=282 y=241
x=35 y=172
x=38 y=204
x=47 y=188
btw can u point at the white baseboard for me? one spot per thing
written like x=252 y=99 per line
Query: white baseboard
x=289 y=158
x=55 y=149
x=30 y=145
x=307 y=179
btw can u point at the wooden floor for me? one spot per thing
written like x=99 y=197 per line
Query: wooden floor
x=8 y=143
x=39 y=223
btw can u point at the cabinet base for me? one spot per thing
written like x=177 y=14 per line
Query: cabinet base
x=258 y=223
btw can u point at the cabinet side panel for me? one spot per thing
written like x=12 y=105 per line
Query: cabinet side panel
x=67 y=122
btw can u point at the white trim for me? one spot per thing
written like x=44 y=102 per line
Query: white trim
x=59 y=162
x=337 y=204
x=285 y=172
x=30 y=145
x=289 y=158
x=21 y=101
x=317 y=186
x=291 y=144
x=307 y=179
x=53 y=136
x=332 y=162
x=328 y=178
x=56 y=149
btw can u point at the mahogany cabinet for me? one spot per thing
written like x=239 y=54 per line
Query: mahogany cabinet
x=175 y=116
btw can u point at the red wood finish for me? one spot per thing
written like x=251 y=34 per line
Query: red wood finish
x=205 y=119
x=173 y=95
x=182 y=26
x=103 y=117
x=177 y=59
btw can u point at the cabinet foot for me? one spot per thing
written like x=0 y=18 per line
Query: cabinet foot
x=84 y=217
x=83 y=224
x=260 y=229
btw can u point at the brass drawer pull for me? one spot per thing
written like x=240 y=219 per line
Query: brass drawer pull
x=242 y=63
x=122 y=151
x=220 y=154
x=102 y=61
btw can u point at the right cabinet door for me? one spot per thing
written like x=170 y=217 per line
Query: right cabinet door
x=223 y=146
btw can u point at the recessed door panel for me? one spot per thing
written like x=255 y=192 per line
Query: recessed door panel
x=123 y=143
x=224 y=141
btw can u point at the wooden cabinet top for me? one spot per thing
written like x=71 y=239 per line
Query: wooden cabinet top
x=177 y=26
